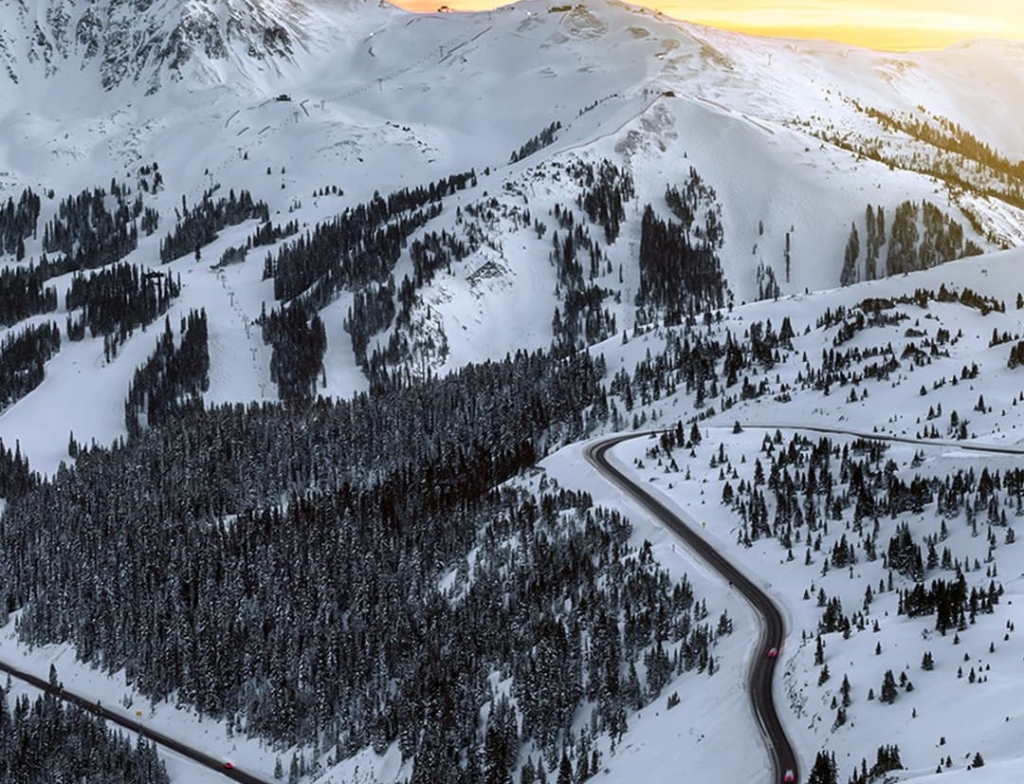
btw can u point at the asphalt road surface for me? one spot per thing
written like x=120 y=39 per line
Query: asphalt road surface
x=772 y=628
x=968 y=446
x=214 y=763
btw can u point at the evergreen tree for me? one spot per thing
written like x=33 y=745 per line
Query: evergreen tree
x=852 y=254
x=889 y=691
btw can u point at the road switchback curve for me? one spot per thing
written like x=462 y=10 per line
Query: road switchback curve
x=762 y=669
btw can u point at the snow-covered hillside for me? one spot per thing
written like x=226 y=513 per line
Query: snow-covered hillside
x=364 y=104
x=493 y=138
x=833 y=373
x=965 y=699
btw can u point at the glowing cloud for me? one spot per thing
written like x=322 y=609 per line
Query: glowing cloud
x=882 y=24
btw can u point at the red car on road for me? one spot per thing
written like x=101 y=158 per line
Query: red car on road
x=772 y=654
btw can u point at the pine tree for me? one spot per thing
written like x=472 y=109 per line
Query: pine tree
x=824 y=770
x=564 y=769
x=889 y=691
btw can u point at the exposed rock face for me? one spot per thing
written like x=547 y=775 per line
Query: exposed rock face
x=146 y=41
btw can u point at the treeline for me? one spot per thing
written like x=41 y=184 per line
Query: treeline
x=605 y=190
x=199 y=225
x=910 y=249
x=356 y=250
x=359 y=246
x=22 y=357
x=18 y=222
x=116 y=301
x=680 y=271
x=952 y=137
x=373 y=308
x=582 y=319
x=16 y=479
x=966 y=296
x=23 y=294
x=961 y=162
x=88 y=234
x=536 y=143
x=432 y=251
x=44 y=740
x=173 y=378
x=267 y=233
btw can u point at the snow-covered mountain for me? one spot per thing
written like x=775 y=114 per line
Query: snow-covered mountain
x=488 y=135
x=791 y=142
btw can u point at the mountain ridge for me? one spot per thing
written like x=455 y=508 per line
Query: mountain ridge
x=792 y=153
x=148 y=42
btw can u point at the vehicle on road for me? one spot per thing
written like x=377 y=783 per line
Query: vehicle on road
x=229 y=766
x=772 y=654
x=788 y=777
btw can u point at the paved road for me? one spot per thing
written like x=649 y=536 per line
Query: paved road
x=214 y=763
x=772 y=628
x=970 y=446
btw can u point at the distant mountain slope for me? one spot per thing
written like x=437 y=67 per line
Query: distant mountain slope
x=559 y=218
x=313 y=107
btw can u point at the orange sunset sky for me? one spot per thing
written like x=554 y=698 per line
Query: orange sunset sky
x=880 y=24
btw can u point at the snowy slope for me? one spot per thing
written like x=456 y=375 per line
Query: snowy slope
x=370 y=94
x=710 y=733
x=377 y=99
x=950 y=712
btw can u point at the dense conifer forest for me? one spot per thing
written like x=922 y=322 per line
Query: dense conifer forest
x=22 y=356
x=88 y=234
x=115 y=301
x=18 y=222
x=680 y=271
x=44 y=740
x=174 y=377
x=23 y=293
x=197 y=226
x=224 y=506
x=360 y=246
x=543 y=139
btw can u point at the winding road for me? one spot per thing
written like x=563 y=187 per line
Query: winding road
x=772 y=628
x=935 y=443
x=196 y=755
